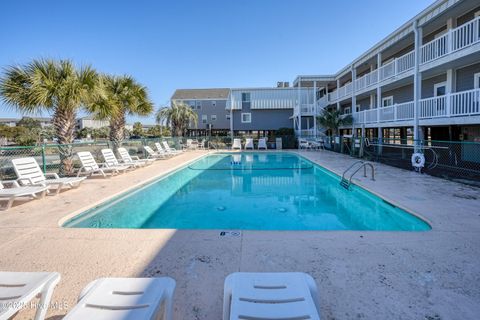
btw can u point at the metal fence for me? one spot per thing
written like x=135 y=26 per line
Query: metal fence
x=48 y=155
x=455 y=160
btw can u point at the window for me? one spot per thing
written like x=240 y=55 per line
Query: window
x=227 y=116
x=440 y=89
x=347 y=110
x=204 y=118
x=246 y=117
x=213 y=117
x=199 y=105
x=214 y=103
x=476 y=80
x=387 y=101
x=357 y=109
x=245 y=96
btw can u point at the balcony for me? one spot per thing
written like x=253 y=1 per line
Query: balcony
x=465 y=103
x=454 y=40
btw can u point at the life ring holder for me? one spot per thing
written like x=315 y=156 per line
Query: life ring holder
x=418 y=160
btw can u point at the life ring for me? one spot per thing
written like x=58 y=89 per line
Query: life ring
x=418 y=160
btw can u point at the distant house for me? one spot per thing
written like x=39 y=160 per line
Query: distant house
x=90 y=122
x=12 y=122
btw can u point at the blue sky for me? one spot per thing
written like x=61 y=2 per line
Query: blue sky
x=199 y=44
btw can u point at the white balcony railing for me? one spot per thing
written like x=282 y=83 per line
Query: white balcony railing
x=465 y=103
x=454 y=40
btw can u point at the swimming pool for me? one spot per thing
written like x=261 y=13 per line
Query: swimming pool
x=249 y=191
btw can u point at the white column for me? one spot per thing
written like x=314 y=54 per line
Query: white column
x=354 y=99
x=314 y=108
x=379 y=87
x=417 y=84
x=231 y=116
x=299 y=107
x=338 y=87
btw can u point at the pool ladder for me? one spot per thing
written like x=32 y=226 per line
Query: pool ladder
x=357 y=166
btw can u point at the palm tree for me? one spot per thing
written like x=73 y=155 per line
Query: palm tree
x=55 y=86
x=123 y=95
x=332 y=120
x=178 y=116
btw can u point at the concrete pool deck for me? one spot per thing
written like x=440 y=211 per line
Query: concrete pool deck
x=360 y=274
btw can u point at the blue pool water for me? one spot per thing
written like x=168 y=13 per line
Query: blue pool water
x=249 y=191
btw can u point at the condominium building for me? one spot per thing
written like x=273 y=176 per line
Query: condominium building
x=420 y=82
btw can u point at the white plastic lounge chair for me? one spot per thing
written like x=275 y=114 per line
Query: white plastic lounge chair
x=168 y=149
x=291 y=295
x=125 y=299
x=161 y=150
x=201 y=144
x=237 y=144
x=16 y=191
x=249 y=143
x=262 y=144
x=303 y=144
x=112 y=162
x=133 y=160
x=154 y=155
x=91 y=168
x=29 y=173
x=17 y=289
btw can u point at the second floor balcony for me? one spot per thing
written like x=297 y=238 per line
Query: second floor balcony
x=458 y=104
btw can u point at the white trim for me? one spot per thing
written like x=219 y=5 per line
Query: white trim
x=385 y=99
x=244 y=114
x=439 y=85
x=476 y=80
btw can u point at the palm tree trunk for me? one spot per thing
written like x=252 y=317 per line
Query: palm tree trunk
x=117 y=131
x=64 y=124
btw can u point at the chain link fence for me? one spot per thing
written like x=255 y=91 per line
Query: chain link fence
x=454 y=160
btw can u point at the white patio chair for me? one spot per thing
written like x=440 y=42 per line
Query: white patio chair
x=16 y=191
x=237 y=144
x=29 y=173
x=271 y=296
x=154 y=155
x=169 y=149
x=17 y=289
x=126 y=299
x=303 y=144
x=161 y=150
x=133 y=160
x=262 y=144
x=112 y=162
x=91 y=168
x=249 y=144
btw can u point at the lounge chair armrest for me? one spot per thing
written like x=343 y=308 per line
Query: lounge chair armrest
x=22 y=181
x=12 y=183
x=54 y=175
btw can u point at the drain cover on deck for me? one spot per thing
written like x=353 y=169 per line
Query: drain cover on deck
x=230 y=234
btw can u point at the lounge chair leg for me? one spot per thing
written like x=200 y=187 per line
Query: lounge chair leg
x=8 y=205
x=45 y=297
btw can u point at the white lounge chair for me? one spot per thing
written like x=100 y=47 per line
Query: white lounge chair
x=168 y=149
x=262 y=144
x=29 y=173
x=112 y=162
x=152 y=154
x=126 y=299
x=91 y=168
x=17 y=289
x=237 y=144
x=16 y=191
x=270 y=296
x=160 y=150
x=133 y=160
x=249 y=144
x=303 y=144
